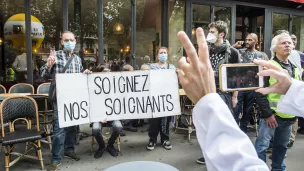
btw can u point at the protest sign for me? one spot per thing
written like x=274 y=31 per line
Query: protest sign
x=72 y=99
x=120 y=95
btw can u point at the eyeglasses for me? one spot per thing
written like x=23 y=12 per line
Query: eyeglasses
x=67 y=40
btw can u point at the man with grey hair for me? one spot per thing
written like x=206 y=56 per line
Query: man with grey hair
x=295 y=58
x=276 y=124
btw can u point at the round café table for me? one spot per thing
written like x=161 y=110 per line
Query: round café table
x=142 y=165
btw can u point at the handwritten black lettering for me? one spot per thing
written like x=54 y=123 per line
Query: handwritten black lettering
x=130 y=105
x=155 y=104
x=68 y=112
x=144 y=85
x=163 y=101
x=97 y=85
x=124 y=104
x=103 y=85
x=78 y=111
x=117 y=107
x=114 y=84
x=168 y=101
x=149 y=104
x=129 y=84
x=135 y=83
x=138 y=104
x=121 y=85
x=109 y=106
x=82 y=107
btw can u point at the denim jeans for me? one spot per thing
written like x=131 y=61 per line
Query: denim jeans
x=246 y=100
x=281 y=136
x=96 y=132
x=62 y=138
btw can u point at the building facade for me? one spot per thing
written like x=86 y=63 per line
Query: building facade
x=129 y=28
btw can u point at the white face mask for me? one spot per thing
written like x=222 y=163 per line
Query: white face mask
x=211 y=38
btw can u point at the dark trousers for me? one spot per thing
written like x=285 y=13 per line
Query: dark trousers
x=301 y=122
x=159 y=125
x=245 y=103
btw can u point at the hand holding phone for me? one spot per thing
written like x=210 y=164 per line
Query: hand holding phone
x=238 y=77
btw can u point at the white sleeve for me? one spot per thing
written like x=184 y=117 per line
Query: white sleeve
x=292 y=102
x=224 y=145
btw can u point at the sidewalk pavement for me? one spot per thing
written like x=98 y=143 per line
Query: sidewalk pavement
x=133 y=148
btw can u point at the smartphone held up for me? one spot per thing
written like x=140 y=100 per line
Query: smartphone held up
x=239 y=77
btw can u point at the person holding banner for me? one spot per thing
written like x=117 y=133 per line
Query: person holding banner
x=160 y=125
x=224 y=145
x=63 y=138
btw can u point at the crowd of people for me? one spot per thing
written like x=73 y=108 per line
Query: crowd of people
x=199 y=77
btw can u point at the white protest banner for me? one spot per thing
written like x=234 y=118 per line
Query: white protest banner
x=164 y=87
x=116 y=96
x=123 y=95
x=72 y=99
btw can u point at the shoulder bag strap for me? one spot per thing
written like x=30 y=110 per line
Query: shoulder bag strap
x=67 y=64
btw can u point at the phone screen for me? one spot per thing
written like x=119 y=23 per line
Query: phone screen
x=242 y=77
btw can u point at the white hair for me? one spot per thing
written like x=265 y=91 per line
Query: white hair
x=145 y=67
x=274 y=43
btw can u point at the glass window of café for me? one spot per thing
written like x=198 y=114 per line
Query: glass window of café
x=46 y=23
x=148 y=30
x=280 y=22
x=13 y=60
x=82 y=21
x=46 y=29
x=117 y=30
x=298 y=31
x=176 y=15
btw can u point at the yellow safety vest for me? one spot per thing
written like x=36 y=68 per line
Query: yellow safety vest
x=10 y=75
x=274 y=98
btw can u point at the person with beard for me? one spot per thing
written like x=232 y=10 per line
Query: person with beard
x=221 y=52
x=246 y=99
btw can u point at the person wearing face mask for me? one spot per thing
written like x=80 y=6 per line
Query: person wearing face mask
x=221 y=52
x=63 y=138
x=160 y=125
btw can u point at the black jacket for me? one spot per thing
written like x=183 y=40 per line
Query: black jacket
x=263 y=102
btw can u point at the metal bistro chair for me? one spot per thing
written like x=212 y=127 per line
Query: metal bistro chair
x=15 y=109
x=256 y=118
x=47 y=112
x=43 y=88
x=2 y=89
x=184 y=121
x=22 y=88
x=45 y=117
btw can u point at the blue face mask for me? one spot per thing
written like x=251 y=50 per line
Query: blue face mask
x=69 y=45
x=163 y=57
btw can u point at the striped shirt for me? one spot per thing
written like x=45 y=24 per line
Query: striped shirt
x=61 y=58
